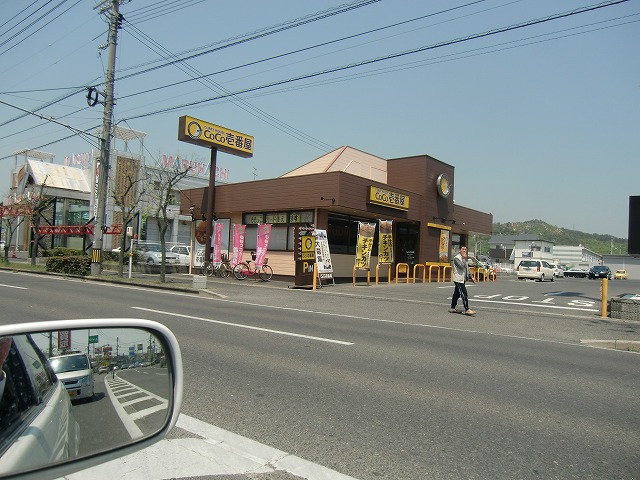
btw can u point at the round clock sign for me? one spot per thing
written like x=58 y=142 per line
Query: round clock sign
x=444 y=185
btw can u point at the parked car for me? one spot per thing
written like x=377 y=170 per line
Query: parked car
x=600 y=271
x=103 y=369
x=536 y=269
x=75 y=372
x=151 y=254
x=183 y=252
x=620 y=275
x=576 y=272
x=37 y=424
x=558 y=271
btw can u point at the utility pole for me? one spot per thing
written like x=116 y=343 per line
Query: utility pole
x=105 y=142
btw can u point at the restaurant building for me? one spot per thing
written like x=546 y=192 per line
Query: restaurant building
x=337 y=191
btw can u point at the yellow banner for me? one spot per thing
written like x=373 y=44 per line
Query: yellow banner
x=385 y=245
x=364 y=246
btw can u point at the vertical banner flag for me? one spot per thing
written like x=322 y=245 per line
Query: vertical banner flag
x=217 y=242
x=323 y=256
x=385 y=245
x=238 y=243
x=443 y=253
x=264 y=232
x=366 y=231
x=64 y=339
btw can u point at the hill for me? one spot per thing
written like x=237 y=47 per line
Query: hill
x=602 y=244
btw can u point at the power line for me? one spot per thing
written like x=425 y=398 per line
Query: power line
x=388 y=57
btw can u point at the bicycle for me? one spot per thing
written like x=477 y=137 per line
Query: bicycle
x=244 y=270
x=210 y=269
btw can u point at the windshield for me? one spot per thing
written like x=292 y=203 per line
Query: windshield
x=69 y=364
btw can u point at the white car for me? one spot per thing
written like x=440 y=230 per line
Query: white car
x=183 y=252
x=39 y=433
x=536 y=269
x=151 y=254
x=37 y=425
x=75 y=372
x=558 y=271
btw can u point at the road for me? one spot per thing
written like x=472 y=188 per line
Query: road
x=382 y=382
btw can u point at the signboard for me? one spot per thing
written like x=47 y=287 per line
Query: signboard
x=205 y=134
x=93 y=338
x=64 y=339
x=364 y=245
x=264 y=233
x=385 y=244
x=387 y=198
x=323 y=256
x=307 y=247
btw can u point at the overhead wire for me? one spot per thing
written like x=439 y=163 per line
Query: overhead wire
x=239 y=102
x=388 y=57
x=272 y=84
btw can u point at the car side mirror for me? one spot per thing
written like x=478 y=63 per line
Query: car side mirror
x=57 y=416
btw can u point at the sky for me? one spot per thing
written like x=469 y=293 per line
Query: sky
x=535 y=103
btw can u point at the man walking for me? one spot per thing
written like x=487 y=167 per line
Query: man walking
x=460 y=276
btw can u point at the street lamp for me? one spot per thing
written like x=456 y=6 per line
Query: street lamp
x=504 y=249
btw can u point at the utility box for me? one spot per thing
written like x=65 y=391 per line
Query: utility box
x=199 y=282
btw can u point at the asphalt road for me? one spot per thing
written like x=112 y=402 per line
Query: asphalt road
x=381 y=382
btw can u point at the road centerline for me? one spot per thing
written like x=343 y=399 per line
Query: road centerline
x=249 y=327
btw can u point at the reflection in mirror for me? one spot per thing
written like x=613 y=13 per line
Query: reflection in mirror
x=72 y=393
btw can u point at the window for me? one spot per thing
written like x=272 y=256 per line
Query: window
x=343 y=233
x=282 y=228
x=28 y=381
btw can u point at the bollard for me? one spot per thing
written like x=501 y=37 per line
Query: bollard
x=604 y=291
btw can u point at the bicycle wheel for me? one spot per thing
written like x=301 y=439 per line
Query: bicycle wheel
x=266 y=272
x=240 y=271
x=203 y=268
x=209 y=269
x=225 y=270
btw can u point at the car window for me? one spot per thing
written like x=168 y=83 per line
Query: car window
x=69 y=364
x=28 y=381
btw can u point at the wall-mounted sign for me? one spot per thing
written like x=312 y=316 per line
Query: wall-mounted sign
x=444 y=185
x=205 y=134
x=387 y=198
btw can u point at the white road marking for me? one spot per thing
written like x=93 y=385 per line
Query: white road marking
x=214 y=452
x=240 y=325
x=13 y=286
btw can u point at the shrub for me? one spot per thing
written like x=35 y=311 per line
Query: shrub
x=72 y=265
x=63 y=252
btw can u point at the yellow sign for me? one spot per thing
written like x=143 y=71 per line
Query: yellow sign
x=308 y=247
x=387 y=198
x=205 y=134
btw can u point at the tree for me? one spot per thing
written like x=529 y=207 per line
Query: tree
x=25 y=206
x=127 y=195
x=162 y=185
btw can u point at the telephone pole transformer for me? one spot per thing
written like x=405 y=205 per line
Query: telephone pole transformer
x=105 y=142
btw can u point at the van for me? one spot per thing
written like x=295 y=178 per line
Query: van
x=75 y=373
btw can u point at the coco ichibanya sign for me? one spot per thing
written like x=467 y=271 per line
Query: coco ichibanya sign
x=205 y=134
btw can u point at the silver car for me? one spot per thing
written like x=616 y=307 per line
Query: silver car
x=151 y=254
x=536 y=269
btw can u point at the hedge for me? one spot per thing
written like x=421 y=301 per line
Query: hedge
x=72 y=265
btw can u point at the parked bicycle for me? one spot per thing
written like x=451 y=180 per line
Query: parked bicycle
x=248 y=269
x=222 y=269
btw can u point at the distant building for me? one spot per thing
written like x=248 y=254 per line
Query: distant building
x=576 y=256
